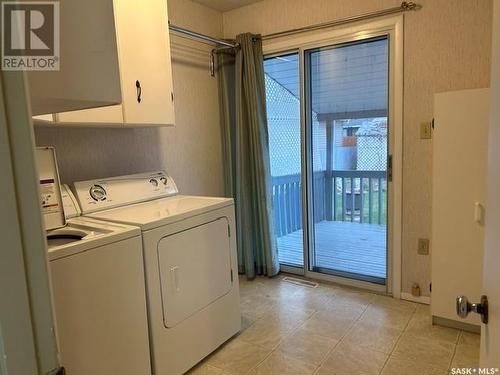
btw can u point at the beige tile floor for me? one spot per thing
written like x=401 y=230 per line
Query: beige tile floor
x=291 y=329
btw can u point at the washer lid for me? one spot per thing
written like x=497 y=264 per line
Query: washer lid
x=70 y=204
x=85 y=234
x=50 y=188
x=163 y=211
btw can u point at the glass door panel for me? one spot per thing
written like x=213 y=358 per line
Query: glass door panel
x=347 y=116
x=282 y=81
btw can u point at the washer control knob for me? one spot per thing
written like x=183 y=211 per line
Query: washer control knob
x=154 y=182
x=163 y=180
x=97 y=192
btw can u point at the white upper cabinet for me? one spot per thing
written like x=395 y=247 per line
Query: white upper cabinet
x=145 y=65
x=88 y=61
x=96 y=116
x=44 y=118
x=145 y=70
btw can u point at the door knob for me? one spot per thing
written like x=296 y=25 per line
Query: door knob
x=464 y=307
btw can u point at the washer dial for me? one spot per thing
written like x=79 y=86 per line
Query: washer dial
x=97 y=192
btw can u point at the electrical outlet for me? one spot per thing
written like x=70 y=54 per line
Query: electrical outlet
x=423 y=246
x=426 y=130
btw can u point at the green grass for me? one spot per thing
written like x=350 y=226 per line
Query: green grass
x=376 y=208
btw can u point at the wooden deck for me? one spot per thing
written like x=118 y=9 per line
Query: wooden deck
x=341 y=246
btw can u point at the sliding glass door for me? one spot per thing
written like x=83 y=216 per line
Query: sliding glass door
x=282 y=80
x=328 y=117
x=347 y=102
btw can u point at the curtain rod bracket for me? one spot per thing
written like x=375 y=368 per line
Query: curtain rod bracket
x=407 y=6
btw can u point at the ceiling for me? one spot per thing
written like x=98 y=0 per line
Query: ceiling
x=225 y=5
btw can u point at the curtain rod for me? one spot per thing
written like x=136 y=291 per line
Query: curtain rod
x=201 y=37
x=404 y=7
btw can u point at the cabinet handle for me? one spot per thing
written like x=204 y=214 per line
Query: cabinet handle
x=139 y=91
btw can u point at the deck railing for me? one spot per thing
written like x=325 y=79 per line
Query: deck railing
x=357 y=196
x=287 y=202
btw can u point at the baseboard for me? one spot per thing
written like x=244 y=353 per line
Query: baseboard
x=437 y=320
x=420 y=299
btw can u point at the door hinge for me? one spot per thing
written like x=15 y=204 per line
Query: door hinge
x=389 y=168
x=229 y=230
x=231 y=275
x=433 y=124
x=172 y=94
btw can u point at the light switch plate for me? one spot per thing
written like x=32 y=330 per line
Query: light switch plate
x=426 y=130
x=423 y=246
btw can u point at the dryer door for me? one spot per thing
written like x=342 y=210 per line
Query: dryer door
x=195 y=269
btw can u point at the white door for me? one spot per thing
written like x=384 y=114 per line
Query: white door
x=490 y=333
x=458 y=195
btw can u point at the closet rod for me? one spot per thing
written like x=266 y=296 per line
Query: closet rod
x=201 y=37
x=404 y=7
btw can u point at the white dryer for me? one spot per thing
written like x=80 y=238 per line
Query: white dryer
x=191 y=269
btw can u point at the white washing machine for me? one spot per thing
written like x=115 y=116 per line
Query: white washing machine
x=99 y=298
x=189 y=246
x=98 y=288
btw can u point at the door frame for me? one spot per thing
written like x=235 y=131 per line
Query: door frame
x=393 y=28
x=28 y=344
x=490 y=333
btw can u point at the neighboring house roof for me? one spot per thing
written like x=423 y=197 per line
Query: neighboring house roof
x=376 y=127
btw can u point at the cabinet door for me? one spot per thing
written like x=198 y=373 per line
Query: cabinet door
x=145 y=66
x=105 y=115
x=88 y=76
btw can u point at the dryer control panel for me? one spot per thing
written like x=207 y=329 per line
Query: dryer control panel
x=103 y=194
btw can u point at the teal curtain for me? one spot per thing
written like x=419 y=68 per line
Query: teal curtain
x=246 y=154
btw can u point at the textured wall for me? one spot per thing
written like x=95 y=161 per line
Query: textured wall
x=446 y=47
x=191 y=151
